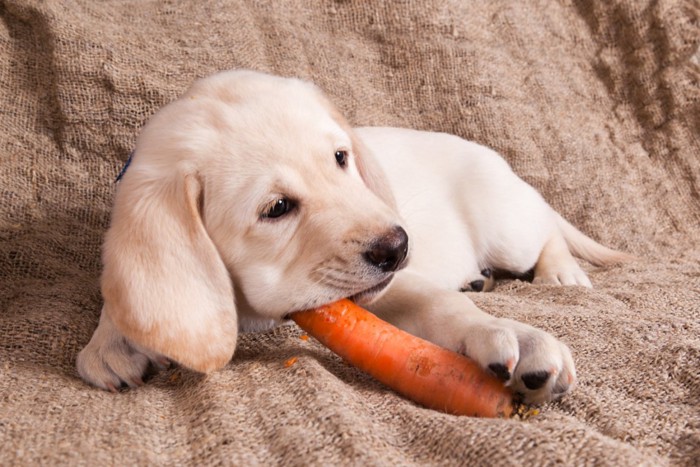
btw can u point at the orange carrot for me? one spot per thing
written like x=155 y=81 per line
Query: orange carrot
x=430 y=375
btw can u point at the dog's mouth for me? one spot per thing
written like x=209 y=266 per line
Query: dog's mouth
x=367 y=295
x=363 y=297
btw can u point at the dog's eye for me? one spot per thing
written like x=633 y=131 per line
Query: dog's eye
x=341 y=157
x=279 y=208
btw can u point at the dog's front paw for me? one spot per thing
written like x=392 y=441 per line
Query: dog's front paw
x=110 y=362
x=531 y=361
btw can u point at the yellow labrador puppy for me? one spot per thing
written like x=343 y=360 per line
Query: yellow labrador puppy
x=250 y=197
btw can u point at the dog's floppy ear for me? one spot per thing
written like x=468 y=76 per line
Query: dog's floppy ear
x=164 y=284
x=371 y=172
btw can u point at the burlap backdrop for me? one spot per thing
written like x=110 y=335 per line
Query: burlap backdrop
x=596 y=103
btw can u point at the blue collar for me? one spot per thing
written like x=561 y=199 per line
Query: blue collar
x=126 y=166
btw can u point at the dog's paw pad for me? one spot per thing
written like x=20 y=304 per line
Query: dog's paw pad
x=535 y=380
x=482 y=284
x=500 y=370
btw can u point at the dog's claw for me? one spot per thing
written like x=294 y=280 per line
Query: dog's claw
x=135 y=382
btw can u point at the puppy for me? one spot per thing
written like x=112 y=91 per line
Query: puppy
x=250 y=198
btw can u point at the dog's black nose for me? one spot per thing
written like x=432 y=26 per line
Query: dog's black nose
x=389 y=251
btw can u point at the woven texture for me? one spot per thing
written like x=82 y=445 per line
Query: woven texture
x=596 y=103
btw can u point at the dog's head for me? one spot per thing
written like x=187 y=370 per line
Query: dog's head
x=248 y=195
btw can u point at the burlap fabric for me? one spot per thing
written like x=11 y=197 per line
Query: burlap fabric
x=596 y=103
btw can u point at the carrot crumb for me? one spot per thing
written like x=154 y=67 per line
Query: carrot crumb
x=523 y=412
x=290 y=362
x=304 y=337
x=174 y=377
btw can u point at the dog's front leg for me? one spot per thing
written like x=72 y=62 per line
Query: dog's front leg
x=109 y=361
x=534 y=362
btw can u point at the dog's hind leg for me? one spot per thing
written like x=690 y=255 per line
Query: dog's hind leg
x=484 y=282
x=556 y=265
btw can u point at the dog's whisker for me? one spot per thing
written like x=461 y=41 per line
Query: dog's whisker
x=340 y=272
x=339 y=276
x=339 y=285
x=340 y=259
x=322 y=278
x=330 y=277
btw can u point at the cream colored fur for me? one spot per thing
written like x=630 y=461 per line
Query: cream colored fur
x=192 y=255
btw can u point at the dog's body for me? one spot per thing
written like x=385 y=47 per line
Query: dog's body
x=250 y=198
